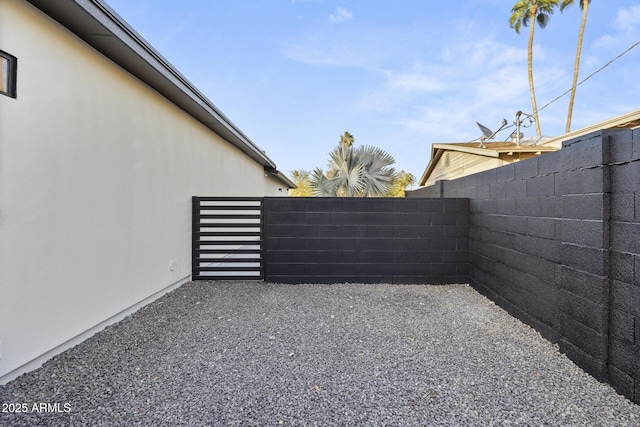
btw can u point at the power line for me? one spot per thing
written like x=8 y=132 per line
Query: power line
x=530 y=116
x=592 y=74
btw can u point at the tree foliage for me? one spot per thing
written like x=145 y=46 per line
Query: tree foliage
x=364 y=171
x=404 y=180
x=301 y=178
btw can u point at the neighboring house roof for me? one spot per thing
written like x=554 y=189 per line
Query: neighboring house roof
x=630 y=120
x=102 y=28
x=491 y=149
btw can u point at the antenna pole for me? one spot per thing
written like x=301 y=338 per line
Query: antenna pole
x=518 y=122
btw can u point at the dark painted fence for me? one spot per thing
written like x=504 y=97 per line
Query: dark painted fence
x=329 y=240
x=555 y=240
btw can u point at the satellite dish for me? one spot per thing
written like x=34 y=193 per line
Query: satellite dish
x=488 y=133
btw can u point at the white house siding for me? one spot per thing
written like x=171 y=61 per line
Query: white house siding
x=96 y=177
x=461 y=164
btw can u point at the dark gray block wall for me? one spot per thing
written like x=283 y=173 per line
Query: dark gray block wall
x=624 y=244
x=329 y=240
x=555 y=241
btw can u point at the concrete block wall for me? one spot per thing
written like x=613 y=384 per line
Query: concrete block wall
x=554 y=240
x=330 y=240
x=624 y=244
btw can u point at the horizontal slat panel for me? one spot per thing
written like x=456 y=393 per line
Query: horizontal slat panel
x=257 y=268
x=231 y=216
x=229 y=225
x=228 y=251
x=229 y=233
x=230 y=199
x=229 y=242
x=229 y=208
x=227 y=260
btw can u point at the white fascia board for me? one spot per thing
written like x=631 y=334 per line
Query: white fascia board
x=486 y=152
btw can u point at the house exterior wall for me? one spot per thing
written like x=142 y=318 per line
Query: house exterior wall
x=454 y=165
x=97 y=172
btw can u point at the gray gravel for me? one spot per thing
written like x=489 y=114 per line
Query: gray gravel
x=222 y=353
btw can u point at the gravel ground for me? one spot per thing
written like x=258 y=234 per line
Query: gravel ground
x=221 y=353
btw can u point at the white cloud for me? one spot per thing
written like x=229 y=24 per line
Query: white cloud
x=439 y=93
x=402 y=87
x=627 y=27
x=486 y=81
x=628 y=19
x=490 y=53
x=501 y=86
x=449 y=121
x=340 y=15
x=607 y=41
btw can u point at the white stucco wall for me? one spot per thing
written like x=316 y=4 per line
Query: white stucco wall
x=96 y=177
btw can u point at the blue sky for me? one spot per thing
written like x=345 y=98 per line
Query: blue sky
x=294 y=75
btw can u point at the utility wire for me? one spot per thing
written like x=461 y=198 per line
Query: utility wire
x=530 y=116
x=592 y=74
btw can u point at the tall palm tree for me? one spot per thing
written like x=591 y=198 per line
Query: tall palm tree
x=355 y=172
x=527 y=13
x=584 y=5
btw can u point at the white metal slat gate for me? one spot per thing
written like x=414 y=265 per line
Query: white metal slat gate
x=227 y=238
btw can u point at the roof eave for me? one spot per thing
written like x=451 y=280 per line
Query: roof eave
x=280 y=177
x=438 y=150
x=435 y=156
x=486 y=152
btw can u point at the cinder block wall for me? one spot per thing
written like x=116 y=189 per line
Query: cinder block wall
x=555 y=241
x=330 y=240
x=624 y=360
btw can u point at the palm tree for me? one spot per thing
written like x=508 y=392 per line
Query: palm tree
x=528 y=12
x=377 y=174
x=301 y=178
x=346 y=139
x=403 y=181
x=355 y=172
x=584 y=5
